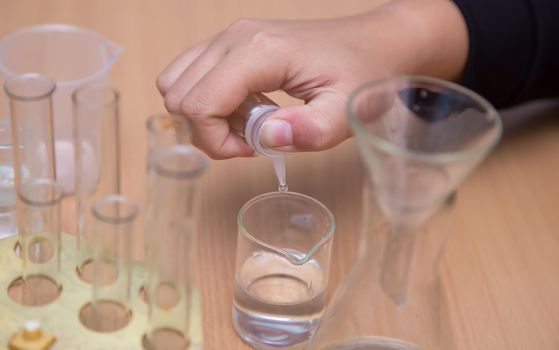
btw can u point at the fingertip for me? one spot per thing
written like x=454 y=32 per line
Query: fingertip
x=163 y=84
x=172 y=102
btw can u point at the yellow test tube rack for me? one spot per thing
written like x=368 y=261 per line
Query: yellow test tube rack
x=61 y=317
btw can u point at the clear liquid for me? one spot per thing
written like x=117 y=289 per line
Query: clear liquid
x=277 y=303
x=373 y=343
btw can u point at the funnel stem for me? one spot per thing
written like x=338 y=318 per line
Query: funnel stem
x=396 y=262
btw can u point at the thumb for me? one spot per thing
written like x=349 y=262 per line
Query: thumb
x=316 y=126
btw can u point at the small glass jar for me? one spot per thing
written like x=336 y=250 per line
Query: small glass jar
x=247 y=121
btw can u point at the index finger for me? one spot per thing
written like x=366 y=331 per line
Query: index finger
x=172 y=72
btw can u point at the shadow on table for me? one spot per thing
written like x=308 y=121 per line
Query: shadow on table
x=530 y=117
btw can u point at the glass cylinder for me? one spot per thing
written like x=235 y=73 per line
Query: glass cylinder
x=39 y=213
x=97 y=161
x=38 y=196
x=164 y=131
x=171 y=230
x=31 y=117
x=419 y=138
x=7 y=186
x=281 y=270
x=113 y=231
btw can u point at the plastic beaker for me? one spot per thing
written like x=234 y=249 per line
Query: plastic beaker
x=281 y=272
x=70 y=55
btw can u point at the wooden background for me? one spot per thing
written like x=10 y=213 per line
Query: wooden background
x=501 y=265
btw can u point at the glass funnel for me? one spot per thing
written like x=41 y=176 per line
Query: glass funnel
x=419 y=138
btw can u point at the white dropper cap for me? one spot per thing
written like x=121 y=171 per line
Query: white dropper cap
x=258 y=115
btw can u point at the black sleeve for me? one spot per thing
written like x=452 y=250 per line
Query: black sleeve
x=513 y=51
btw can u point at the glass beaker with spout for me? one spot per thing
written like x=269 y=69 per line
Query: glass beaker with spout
x=419 y=138
x=68 y=54
x=281 y=271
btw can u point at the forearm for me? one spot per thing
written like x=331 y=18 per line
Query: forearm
x=514 y=49
x=420 y=37
x=507 y=52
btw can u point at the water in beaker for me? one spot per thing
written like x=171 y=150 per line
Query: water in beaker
x=281 y=307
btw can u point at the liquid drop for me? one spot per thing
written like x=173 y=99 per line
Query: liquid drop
x=279 y=168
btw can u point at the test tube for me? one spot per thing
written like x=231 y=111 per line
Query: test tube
x=111 y=263
x=171 y=230
x=39 y=210
x=30 y=98
x=97 y=161
x=38 y=195
x=166 y=130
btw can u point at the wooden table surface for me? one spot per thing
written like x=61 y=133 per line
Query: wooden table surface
x=501 y=265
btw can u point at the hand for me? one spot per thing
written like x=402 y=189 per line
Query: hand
x=318 y=61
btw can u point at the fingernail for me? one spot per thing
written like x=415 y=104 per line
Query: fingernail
x=276 y=133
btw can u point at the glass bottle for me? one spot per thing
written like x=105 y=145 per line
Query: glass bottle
x=247 y=121
x=419 y=138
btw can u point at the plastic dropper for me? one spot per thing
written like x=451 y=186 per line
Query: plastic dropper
x=248 y=120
